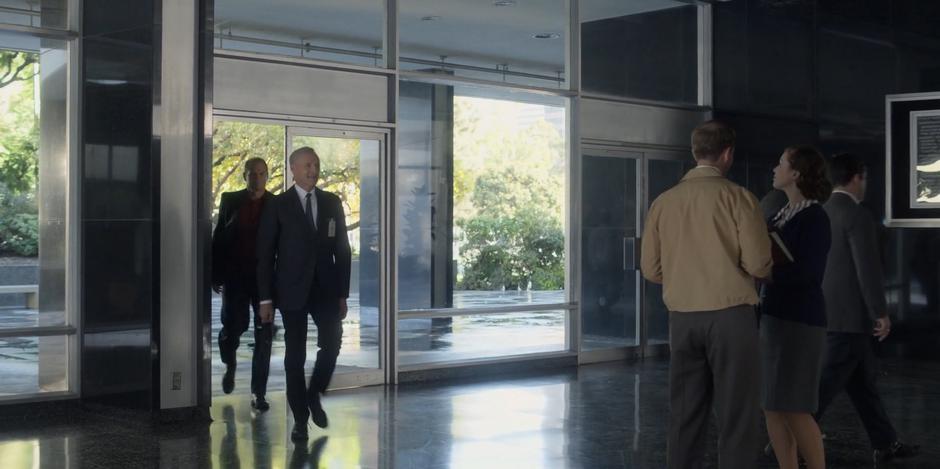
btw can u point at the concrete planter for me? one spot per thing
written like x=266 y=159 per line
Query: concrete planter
x=17 y=271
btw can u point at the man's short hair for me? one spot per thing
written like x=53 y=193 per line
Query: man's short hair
x=711 y=139
x=252 y=162
x=301 y=151
x=845 y=166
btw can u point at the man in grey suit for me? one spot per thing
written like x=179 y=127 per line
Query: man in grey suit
x=304 y=262
x=855 y=308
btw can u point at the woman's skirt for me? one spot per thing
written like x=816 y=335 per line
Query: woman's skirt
x=791 y=364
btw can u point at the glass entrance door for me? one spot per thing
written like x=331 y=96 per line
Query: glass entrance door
x=620 y=310
x=663 y=171
x=351 y=167
x=609 y=261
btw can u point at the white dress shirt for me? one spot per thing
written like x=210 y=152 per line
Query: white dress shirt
x=303 y=201
x=303 y=206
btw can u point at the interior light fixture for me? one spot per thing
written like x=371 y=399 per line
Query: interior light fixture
x=504 y=3
x=546 y=36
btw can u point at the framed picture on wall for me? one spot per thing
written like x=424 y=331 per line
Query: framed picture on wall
x=913 y=160
x=925 y=158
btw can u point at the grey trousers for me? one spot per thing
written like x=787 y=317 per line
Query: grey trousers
x=714 y=362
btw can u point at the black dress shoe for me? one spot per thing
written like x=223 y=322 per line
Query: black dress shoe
x=897 y=450
x=259 y=403
x=317 y=414
x=228 y=380
x=299 y=433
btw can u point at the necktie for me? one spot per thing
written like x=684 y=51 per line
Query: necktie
x=309 y=209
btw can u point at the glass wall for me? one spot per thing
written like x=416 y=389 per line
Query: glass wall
x=36 y=325
x=481 y=197
x=480 y=182
x=521 y=42
x=348 y=31
x=646 y=50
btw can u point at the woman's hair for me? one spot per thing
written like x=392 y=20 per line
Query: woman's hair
x=809 y=162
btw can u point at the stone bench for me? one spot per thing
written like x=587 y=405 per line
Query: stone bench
x=31 y=292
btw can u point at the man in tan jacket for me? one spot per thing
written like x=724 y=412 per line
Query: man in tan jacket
x=706 y=241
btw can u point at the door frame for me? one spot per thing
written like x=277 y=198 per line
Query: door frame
x=642 y=154
x=624 y=351
x=313 y=128
x=365 y=377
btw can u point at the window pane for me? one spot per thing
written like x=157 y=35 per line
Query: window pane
x=348 y=31
x=507 y=40
x=484 y=336
x=33 y=364
x=45 y=13
x=481 y=197
x=646 y=50
x=33 y=181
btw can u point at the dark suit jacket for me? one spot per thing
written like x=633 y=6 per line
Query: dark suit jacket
x=294 y=261
x=854 y=282
x=226 y=229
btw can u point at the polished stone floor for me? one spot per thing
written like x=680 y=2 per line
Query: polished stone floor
x=597 y=416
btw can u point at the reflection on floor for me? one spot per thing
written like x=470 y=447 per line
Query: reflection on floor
x=421 y=341
x=598 y=416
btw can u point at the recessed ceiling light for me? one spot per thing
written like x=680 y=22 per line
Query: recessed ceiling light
x=546 y=36
x=430 y=18
x=504 y=3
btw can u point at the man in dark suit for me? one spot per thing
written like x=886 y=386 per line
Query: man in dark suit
x=855 y=308
x=234 y=265
x=303 y=269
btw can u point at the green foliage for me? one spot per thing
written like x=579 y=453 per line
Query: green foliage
x=19 y=155
x=19 y=223
x=509 y=196
x=525 y=251
x=234 y=143
x=19 y=122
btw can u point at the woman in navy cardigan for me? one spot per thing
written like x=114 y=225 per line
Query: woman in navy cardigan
x=793 y=322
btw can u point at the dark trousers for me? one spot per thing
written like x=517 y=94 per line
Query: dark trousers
x=714 y=361
x=329 y=340
x=239 y=295
x=850 y=365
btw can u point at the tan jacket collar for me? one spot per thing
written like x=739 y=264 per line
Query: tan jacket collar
x=702 y=172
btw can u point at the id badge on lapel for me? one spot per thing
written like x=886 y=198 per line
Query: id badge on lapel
x=331 y=231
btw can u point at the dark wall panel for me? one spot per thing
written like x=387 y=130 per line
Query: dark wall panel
x=119 y=202
x=818 y=72
x=650 y=55
x=763 y=57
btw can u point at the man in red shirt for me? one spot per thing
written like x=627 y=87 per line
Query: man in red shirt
x=234 y=264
